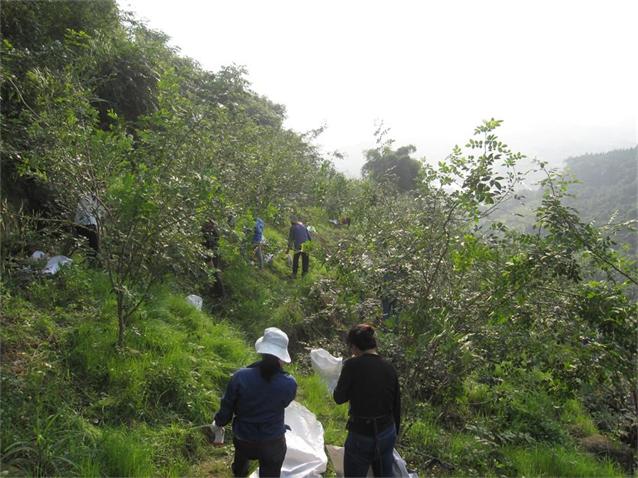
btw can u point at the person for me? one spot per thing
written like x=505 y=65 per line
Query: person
x=371 y=385
x=257 y=396
x=210 y=233
x=258 y=241
x=388 y=295
x=297 y=236
x=86 y=222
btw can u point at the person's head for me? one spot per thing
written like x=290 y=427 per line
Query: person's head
x=361 y=338
x=294 y=219
x=274 y=342
x=273 y=347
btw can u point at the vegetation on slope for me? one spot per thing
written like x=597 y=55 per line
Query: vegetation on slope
x=516 y=349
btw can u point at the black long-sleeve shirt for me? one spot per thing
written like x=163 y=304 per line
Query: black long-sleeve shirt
x=371 y=386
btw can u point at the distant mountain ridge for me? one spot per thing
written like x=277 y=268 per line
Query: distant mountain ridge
x=606 y=190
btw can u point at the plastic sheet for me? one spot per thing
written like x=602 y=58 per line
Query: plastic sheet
x=398 y=470
x=54 y=264
x=305 y=457
x=195 y=300
x=39 y=256
x=326 y=366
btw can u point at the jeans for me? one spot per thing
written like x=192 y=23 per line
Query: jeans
x=305 y=260
x=363 y=451
x=270 y=455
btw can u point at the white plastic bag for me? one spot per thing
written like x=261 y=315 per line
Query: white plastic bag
x=326 y=366
x=195 y=300
x=399 y=469
x=54 y=264
x=38 y=256
x=305 y=457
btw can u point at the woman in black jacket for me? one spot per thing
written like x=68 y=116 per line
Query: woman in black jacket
x=371 y=386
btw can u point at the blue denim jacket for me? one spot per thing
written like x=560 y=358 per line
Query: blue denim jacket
x=258 y=405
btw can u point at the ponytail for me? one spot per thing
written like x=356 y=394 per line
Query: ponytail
x=269 y=366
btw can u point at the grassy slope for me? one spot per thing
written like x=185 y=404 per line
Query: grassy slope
x=72 y=404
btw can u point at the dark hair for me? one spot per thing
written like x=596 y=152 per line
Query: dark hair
x=269 y=366
x=362 y=337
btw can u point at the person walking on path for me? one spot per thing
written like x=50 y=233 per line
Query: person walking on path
x=257 y=396
x=297 y=236
x=371 y=386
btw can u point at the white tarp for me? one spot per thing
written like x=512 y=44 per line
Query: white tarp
x=398 y=470
x=195 y=300
x=305 y=457
x=326 y=366
x=54 y=264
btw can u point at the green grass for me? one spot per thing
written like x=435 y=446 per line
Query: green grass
x=546 y=461
x=123 y=453
x=314 y=395
x=577 y=420
x=80 y=406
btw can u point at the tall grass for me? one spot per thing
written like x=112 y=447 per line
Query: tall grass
x=546 y=461
x=80 y=406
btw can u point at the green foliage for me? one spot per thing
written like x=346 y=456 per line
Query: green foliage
x=395 y=169
x=506 y=342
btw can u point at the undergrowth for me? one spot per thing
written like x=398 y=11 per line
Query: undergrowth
x=75 y=404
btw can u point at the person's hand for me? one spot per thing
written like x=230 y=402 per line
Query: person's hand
x=218 y=433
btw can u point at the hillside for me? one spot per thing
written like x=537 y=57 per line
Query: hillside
x=603 y=189
x=515 y=348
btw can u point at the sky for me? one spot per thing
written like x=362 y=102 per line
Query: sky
x=562 y=75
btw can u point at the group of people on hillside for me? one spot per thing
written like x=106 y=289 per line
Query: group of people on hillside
x=256 y=397
x=298 y=237
x=88 y=213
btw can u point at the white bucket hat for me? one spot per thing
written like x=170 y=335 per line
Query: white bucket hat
x=274 y=342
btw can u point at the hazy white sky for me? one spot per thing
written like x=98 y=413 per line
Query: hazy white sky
x=563 y=74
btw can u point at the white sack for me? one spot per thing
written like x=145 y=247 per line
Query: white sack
x=326 y=366
x=399 y=469
x=195 y=300
x=54 y=264
x=38 y=256
x=305 y=457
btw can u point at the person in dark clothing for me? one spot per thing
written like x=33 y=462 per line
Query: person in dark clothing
x=371 y=386
x=210 y=233
x=257 y=396
x=297 y=236
x=87 y=217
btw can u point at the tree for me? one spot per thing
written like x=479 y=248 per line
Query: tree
x=393 y=168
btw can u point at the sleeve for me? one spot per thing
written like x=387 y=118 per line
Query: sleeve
x=293 y=391
x=227 y=405
x=341 y=393
x=396 y=407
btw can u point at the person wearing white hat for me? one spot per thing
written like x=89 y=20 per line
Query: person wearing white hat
x=257 y=396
